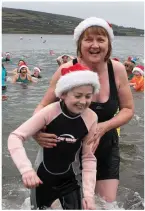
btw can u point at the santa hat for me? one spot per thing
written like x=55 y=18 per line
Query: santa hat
x=37 y=69
x=74 y=76
x=116 y=59
x=23 y=66
x=139 y=68
x=92 y=21
x=7 y=54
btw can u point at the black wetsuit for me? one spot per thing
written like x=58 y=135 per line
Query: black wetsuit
x=107 y=153
x=59 y=167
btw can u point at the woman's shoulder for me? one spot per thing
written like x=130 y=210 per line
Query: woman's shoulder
x=119 y=69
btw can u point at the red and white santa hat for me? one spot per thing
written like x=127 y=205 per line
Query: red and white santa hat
x=74 y=76
x=92 y=21
x=22 y=66
x=139 y=68
x=37 y=69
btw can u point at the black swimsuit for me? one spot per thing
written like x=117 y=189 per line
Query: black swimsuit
x=107 y=153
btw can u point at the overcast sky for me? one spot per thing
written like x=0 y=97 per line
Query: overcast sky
x=128 y=14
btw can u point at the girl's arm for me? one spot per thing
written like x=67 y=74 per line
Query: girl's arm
x=16 y=138
x=89 y=164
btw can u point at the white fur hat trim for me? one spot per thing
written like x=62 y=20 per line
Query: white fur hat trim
x=37 y=69
x=138 y=70
x=23 y=66
x=92 y=21
x=75 y=79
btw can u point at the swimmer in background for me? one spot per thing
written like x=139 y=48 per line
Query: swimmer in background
x=64 y=59
x=129 y=65
x=4 y=75
x=22 y=76
x=20 y=63
x=137 y=82
x=36 y=72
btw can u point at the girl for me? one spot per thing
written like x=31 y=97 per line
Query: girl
x=57 y=174
x=138 y=79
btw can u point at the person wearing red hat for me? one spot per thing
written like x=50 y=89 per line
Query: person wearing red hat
x=22 y=76
x=36 y=73
x=93 y=37
x=74 y=124
x=20 y=63
x=138 y=79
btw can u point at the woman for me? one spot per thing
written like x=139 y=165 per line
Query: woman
x=20 y=63
x=93 y=38
x=22 y=76
x=74 y=123
x=36 y=73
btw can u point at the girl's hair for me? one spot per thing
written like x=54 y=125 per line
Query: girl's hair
x=95 y=30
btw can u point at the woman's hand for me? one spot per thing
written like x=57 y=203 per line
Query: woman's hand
x=89 y=203
x=46 y=140
x=101 y=129
x=30 y=179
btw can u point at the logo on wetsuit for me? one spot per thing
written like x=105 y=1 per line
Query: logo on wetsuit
x=66 y=137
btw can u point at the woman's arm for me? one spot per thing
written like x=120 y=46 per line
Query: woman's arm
x=125 y=98
x=30 y=78
x=14 y=71
x=15 y=77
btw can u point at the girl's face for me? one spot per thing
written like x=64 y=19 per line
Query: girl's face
x=78 y=98
x=136 y=73
x=94 y=47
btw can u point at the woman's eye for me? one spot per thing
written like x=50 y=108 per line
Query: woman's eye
x=77 y=96
x=88 y=97
x=101 y=40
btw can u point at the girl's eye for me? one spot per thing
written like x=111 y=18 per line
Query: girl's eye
x=77 y=97
x=88 y=96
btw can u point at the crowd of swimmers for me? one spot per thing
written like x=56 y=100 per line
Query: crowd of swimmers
x=22 y=73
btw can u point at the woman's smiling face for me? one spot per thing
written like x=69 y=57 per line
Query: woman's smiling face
x=95 y=45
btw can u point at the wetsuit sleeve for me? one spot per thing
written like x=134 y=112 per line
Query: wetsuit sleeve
x=89 y=165
x=16 y=138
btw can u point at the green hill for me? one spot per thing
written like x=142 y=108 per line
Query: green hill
x=19 y=21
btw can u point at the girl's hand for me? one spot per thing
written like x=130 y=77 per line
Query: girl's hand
x=89 y=203
x=30 y=179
